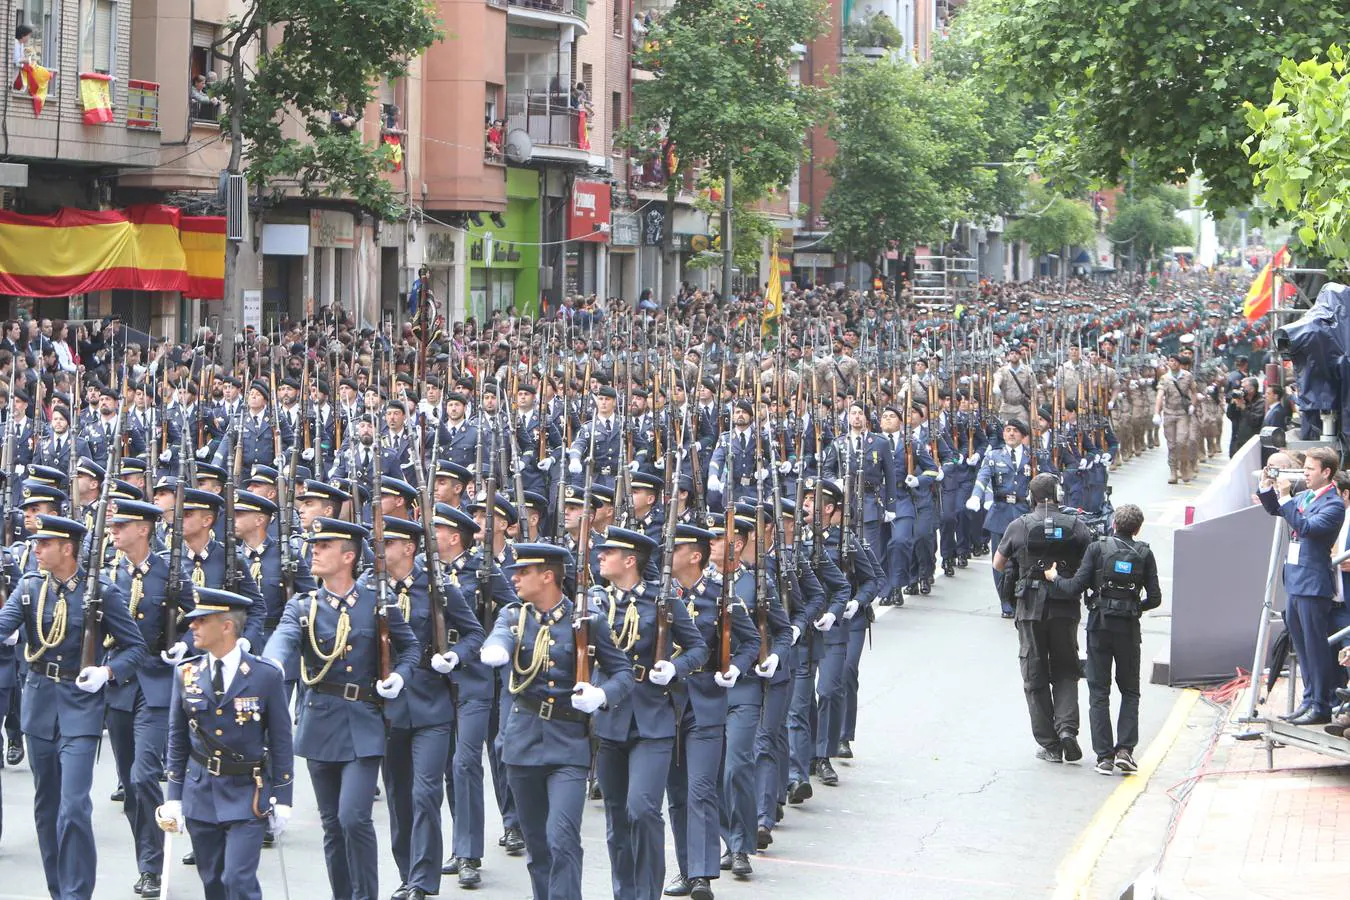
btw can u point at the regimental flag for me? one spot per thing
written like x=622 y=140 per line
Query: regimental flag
x=96 y=98
x=773 y=297
x=1261 y=295
x=203 y=240
x=34 y=79
x=394 y=151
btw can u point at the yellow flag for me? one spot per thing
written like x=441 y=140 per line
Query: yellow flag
x=773 y=297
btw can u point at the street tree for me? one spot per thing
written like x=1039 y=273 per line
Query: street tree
x=1051 y=222
x=1146 y=227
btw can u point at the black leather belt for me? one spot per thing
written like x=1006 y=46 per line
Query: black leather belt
x=215 y=765
x=350 y=692
x=550 y=711
x=606 y=470
x=56 y=673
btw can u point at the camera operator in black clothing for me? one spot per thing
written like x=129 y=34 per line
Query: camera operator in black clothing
x=1047 y=625
x=1121 y=578
x=1246 y=409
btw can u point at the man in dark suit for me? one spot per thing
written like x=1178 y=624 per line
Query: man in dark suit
x=1315 y=516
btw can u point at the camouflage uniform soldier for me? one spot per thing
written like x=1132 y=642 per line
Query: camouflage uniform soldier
x=1174 y=408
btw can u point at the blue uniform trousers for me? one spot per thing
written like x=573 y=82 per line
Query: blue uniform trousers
x=227 y=857
x=551 y=801
x=801 y=718
x=4 y=704
x=972 y=522
x=139 y=739
x=874 y=538
x=632 y=776
x=693 y=791
x=1309 y=622
x=738 y=778
x=955 y=539
x=771 y=750
x=345 y=793
x=857 y=636
x=925 y=544
x=830 y=698
x=63 y=774
x=996 y=538
x=900 y=554
x=506 y=803
x=467 y=804
x=414 y=764
x=13 y=709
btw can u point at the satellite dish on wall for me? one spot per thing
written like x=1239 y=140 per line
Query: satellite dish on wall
x=519 y=147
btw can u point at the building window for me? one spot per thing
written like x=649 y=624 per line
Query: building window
x=615 y=121
x=98 y=36
x=38 y=15
x=618 y=17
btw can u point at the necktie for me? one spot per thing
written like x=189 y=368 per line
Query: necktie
x=218 y=677
x=745 y=443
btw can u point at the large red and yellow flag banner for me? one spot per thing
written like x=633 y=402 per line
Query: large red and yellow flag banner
x=141 y=248
x=1261 y=295
x=96 y=98
x=34 y=79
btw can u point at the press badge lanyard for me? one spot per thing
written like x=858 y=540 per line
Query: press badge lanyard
x=1303 y=503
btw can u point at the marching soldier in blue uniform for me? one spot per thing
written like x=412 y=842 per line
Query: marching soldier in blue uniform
x=24 y=440
x=546 y=733
x=255 y=428
x=1001 y=489
x=858 y=448
x=138 y=709
x=602 y=453
x=733 y=470
x=341 y=732
x=637 y=738
x=460 y=441
x=65 y=703
x=184 y=416
x=922 y=485
x=913 y=499
x=204 y=562
x=968 y=447
x=56 y=449
x=421 y=719
x=526 y=424
x=230 y=764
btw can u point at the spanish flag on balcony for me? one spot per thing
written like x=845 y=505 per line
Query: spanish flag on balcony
x=34 y=79
x=96 y=98
x=393 y=152
x=139 y=248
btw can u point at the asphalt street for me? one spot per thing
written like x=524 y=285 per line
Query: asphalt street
x=943 y=800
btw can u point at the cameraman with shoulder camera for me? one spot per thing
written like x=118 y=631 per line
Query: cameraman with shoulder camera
x=1315 y=516
x=1116 y=570
x=1047 y=626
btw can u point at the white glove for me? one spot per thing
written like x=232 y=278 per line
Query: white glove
x=445 y=664
x=888 y=516
x=494 y=655
x=391 y=687
x=850 y=609
x=784 y=467
x=1106 y=459
x=12 y=639
x=767 y=668
x=245 y=644
x=825 y=622
x=728 y=680
x=912 y=481
x=659 y=462
x=307 y=454
x=796 y=635
x=203 y=452
x=973 y=504
x=587 y=698
x=714 y=483
x=1157 y=418
x=277 y=463
x=988 y=502
x=1084 y=463
x=175 y=654
x=169 y=815
x=545 y=464
x=1191 y=409
x=761 y=474
x=940 y=475
x=574 y=466
x=92 y=679
x=166 y=456
x=663 y=673
x=1110 y=404
x=517 y=465
x=633 y=466
x=280 y=816
x=973 y=459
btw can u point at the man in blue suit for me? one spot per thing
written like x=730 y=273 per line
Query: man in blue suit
x=229 y=775
x=1315 y=516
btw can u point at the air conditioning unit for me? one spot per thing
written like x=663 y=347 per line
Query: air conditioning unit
x=236 y=207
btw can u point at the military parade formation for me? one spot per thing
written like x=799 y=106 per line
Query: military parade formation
x=632 y=556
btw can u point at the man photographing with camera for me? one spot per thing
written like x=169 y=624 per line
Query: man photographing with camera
x=1315 y=515
x=1116 y=570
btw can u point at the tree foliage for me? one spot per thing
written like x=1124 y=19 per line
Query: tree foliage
x=1297 y=147
x=722 y=91
x=319 y=56
x=749 y=226
x=1149 y=84
x=910 y=148
x=1146 y=227
x=1051 y=222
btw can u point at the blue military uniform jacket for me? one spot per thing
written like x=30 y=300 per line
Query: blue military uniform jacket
x=331 y=727
x=252 y=720
x=1002 y=486
x=529 y=736
x=703 y=602
x=146 y=606
x=259 y=445
x=604 y=455
x=462 y=446
x=52 y=704
x=734 y=463
x=265 y=567
x=58 y=457
x=213 y=576
x=525 y=429
x=805 y=601
x=631 y=615
x=880 y=482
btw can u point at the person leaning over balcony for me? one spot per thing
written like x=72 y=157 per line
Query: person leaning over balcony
x=22 y=33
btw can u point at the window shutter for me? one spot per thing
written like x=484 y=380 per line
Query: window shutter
x=203 y=34
x=105 y=20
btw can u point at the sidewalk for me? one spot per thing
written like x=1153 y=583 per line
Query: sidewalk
x=1245 y=831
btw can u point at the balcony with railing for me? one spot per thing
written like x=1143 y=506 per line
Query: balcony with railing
x=556 y=129
x=556 y=12
x=142 y=105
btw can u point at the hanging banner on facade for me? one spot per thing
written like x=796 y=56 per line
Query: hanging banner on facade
x=203 y=239
x=589 y=209
x=96 y=98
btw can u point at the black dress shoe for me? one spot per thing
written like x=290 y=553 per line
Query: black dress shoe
x=949 y=568
x=763 y=838
x=401 y=893
x=725 y=863
x=416 y=894
x=912 y=588
x=593 y=792
x=149 y=886
x=963 y=561
x=450 y=866
x=679 y=886
x=469 y=876
x=1068 y=744
x=799 y=791
x=1312 y=717
x=119 y=795
x=515 y=841
x=925 y=585
x=845 y=750
x=828 y=776
x=778 y=812
x=700 y=889
x=140 y=884
x=1295 y=714
x=1054 y=756
x=1008 y=614
x=189 y=858
x=740 y=865
x=15 y=754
